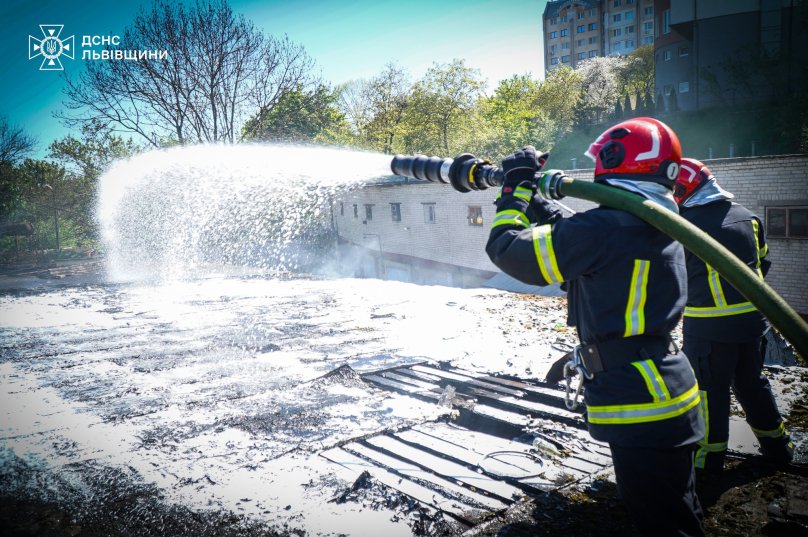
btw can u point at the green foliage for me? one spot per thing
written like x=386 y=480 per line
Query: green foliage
x=299 y=116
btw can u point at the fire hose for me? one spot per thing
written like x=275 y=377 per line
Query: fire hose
x=466 y=173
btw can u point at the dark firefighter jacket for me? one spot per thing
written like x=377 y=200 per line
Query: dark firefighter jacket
x=623 y=278
x=715 y=310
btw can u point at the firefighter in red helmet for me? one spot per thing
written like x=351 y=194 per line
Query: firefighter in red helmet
x=722 y=329
x=626 y=289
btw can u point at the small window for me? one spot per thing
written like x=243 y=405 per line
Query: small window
x=429 y=213
x=618 y=45
x=582 y=55
x=475 y=215
x=341 y=208
x=581 y=29
x=355 y=210
x=647 y=40
x=648 y=26
x=553 y=61
x=617 y=32
x=565 y=46
x=581 y=15
x=629 y=15
x=629 y=2
x=368 y=211
x=592 y=26
x=666 y=55
x=553 y=35
x=630 y=29
x=581 y=42
x=591 y=14
x=648 y=11
x=667 y=90
x=684 y=51
x=684 y=87
x=629 y=43
x=554 y=20
x=564 y=18
x=593 y=53
x=564 y=33
x=666 y=21
x=616 y=3
x=593 y=40
x=565 y=59
x=787 y=222
x=553 y=48
x=395 y=211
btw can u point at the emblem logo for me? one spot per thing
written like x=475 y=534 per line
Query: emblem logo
x=51 y=47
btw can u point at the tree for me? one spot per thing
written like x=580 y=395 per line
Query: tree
x=559 y=96
x=299 y=116
x=600 y=88
x=635 y=71
x=15 y=143
x=218 y=69
x=388 y=96
x=442 y=109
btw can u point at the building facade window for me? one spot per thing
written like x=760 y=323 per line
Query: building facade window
x=647 y=40
x=582 y=55
x=553 y=35
x=593 y=26
x=618 y=45
x=648 y=26
x=355 y=210
x=616 y=3
x=554 y=20
x=368 y=211
x=581 y=15
x=475 y=215
x=684 y=51
x=617 y=32
x=564 y=33
x=684 y=87
x=341 y=208
x=581 y=29
x=617 y=17
x=581 y=42
x=666 y=55
x=593 y=40
x=553 y=48
x=593 y=53
x=629 y=43
x=667 y=90
x=429 y=213
x=666 y=21
x=787 y=222
x=591 y=14
x=565 y=59
x=565 y=46
x=648 y=11
x=553 y=61
x=395 y=211
x=630 y=29
x=628 y=16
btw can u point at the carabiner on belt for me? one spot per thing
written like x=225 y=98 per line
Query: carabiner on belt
x=577 y=365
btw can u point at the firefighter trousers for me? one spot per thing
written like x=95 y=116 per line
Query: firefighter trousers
x=720 y=367
x=658 y=486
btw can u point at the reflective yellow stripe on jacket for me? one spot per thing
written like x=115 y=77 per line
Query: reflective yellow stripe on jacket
x=637 y=295
x=545 y=254
x=510 y=217
x=779 y=432
x=644 y=412
x=721 y=308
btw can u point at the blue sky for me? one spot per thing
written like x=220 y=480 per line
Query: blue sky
x=348 y=39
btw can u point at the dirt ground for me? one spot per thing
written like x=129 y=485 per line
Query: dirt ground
x=751 y=497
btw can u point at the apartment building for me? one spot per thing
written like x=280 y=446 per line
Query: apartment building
x=714 y=52
x=577 y=30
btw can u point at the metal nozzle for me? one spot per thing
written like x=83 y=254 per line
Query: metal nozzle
x=465 y=172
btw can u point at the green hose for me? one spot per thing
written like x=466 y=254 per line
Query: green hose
x=744 y=279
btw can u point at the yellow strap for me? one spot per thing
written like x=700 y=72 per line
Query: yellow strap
x=510 y=217
x=644 y=412
x=545 y=254
x=720 y=311
x=653 y=380
x=714 y=279
x=637 y=296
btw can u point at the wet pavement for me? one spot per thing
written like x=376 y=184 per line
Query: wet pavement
x=277 y=404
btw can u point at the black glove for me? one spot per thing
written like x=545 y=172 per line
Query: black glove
x=556 y=373
x=522 y=166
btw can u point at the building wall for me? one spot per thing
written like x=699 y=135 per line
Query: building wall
x=763 y=36
x=450 y=251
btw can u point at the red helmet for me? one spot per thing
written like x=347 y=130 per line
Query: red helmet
x=693 y=174
x=639 y=146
